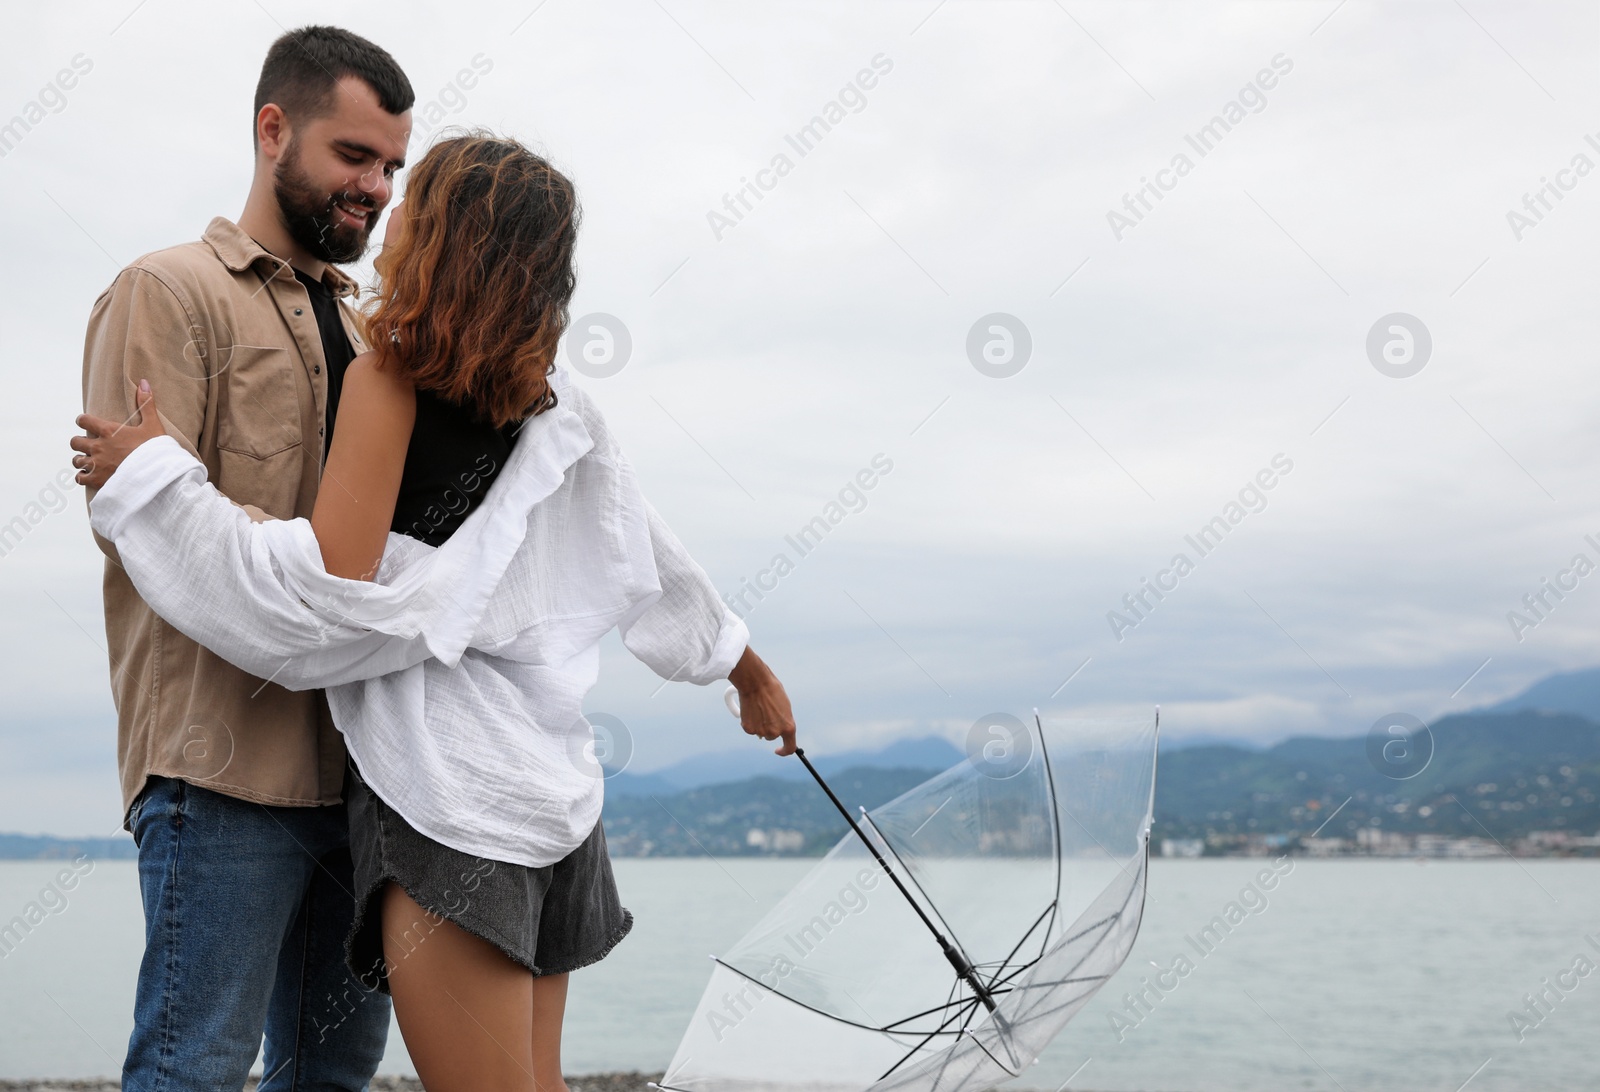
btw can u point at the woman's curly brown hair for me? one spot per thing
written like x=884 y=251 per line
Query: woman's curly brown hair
x=475 y=289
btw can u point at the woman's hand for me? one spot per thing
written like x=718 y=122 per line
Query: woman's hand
x=763 y=704
x=110 y=442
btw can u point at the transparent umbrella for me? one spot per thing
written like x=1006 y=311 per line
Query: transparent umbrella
x=951 y=934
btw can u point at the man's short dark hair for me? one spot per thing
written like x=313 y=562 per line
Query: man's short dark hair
x=303 y=69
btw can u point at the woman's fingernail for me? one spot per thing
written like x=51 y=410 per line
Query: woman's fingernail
x=144 y=386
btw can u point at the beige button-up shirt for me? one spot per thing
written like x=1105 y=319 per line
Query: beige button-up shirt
x=228 y=340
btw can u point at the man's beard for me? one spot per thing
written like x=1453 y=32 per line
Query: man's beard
x=307 y=212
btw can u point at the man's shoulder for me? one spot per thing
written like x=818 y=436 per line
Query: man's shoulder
x=190 y=270
x=178 y=269
x=186 y=265
x=194 y=254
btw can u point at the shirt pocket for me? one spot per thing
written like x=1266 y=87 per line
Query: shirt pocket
x=261 y=414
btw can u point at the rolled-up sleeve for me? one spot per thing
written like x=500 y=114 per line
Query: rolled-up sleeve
x=687 y=634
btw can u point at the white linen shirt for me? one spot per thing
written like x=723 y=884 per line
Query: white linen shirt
x=457 y=676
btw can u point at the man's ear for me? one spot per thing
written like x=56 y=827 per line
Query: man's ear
x=272 y=130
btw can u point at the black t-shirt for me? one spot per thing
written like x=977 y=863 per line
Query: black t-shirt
x=452 y=458
x=336 y=348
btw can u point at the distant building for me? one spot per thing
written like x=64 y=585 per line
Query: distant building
x=1384 y=843
x=1442 y=845
x=1550 y=839
x=1369 y=841
x=1433 y=845
x=775 y=841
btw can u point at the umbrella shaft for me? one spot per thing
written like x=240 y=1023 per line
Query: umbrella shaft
x=966 y=971
x=962 y=965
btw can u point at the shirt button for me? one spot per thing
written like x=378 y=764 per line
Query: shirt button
x=298 y=311
x=316 y=369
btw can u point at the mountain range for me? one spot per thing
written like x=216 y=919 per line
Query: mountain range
x=1529 y=763
x=757 y=760
x=1492 y=774
x=1575 y=692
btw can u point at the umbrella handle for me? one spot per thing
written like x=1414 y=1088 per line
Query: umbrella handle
x=730 y=698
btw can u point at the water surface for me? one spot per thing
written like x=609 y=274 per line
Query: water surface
x=1379 y=975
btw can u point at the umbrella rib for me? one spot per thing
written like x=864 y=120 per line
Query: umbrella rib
x=930 y=1012
x=1011 y=974
x=1064 y=1005
x=1093 y=925
x=1055 y=803
x=967 y=1023
x=1138 y=884
x=944 y=1064
x=1070 y=980
x=1085 y=931
x=1092 y=949
x=821 y=1012
x=1004 y=963
x=1055 y=820
x=971 y=1002
x=951 y=1004
x=992 y=1058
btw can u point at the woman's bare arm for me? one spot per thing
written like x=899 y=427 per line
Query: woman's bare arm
x=361 y=480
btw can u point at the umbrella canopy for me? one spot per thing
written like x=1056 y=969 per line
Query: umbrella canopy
x=951 y=935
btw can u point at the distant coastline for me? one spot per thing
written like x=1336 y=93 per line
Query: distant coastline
x=781 y=843
x=1520 y=778
x=45 y=847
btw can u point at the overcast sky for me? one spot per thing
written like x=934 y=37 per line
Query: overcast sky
x=986 y=164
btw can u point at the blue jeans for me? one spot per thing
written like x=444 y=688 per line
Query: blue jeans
x=246 y=909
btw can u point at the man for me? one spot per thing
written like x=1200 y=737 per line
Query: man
x=231 y=784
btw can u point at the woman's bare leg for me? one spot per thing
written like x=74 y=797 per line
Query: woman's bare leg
x=549 y=1008
x=466 y=1009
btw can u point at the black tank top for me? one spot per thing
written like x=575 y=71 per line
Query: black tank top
x=451 y=461
x=452 y=458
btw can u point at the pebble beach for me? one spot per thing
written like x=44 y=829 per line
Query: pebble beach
x=601 y=1082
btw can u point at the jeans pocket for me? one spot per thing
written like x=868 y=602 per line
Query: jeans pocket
x=161 y=798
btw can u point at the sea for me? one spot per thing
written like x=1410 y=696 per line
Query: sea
x=1345 y=975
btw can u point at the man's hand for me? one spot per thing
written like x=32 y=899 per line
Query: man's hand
x=109 y=442
x=763 y=704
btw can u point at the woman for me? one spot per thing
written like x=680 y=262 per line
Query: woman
x=469 y=915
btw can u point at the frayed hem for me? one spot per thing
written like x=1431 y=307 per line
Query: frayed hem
x=612 y=941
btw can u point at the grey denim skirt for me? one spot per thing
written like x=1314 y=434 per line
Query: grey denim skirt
x=551 y=920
